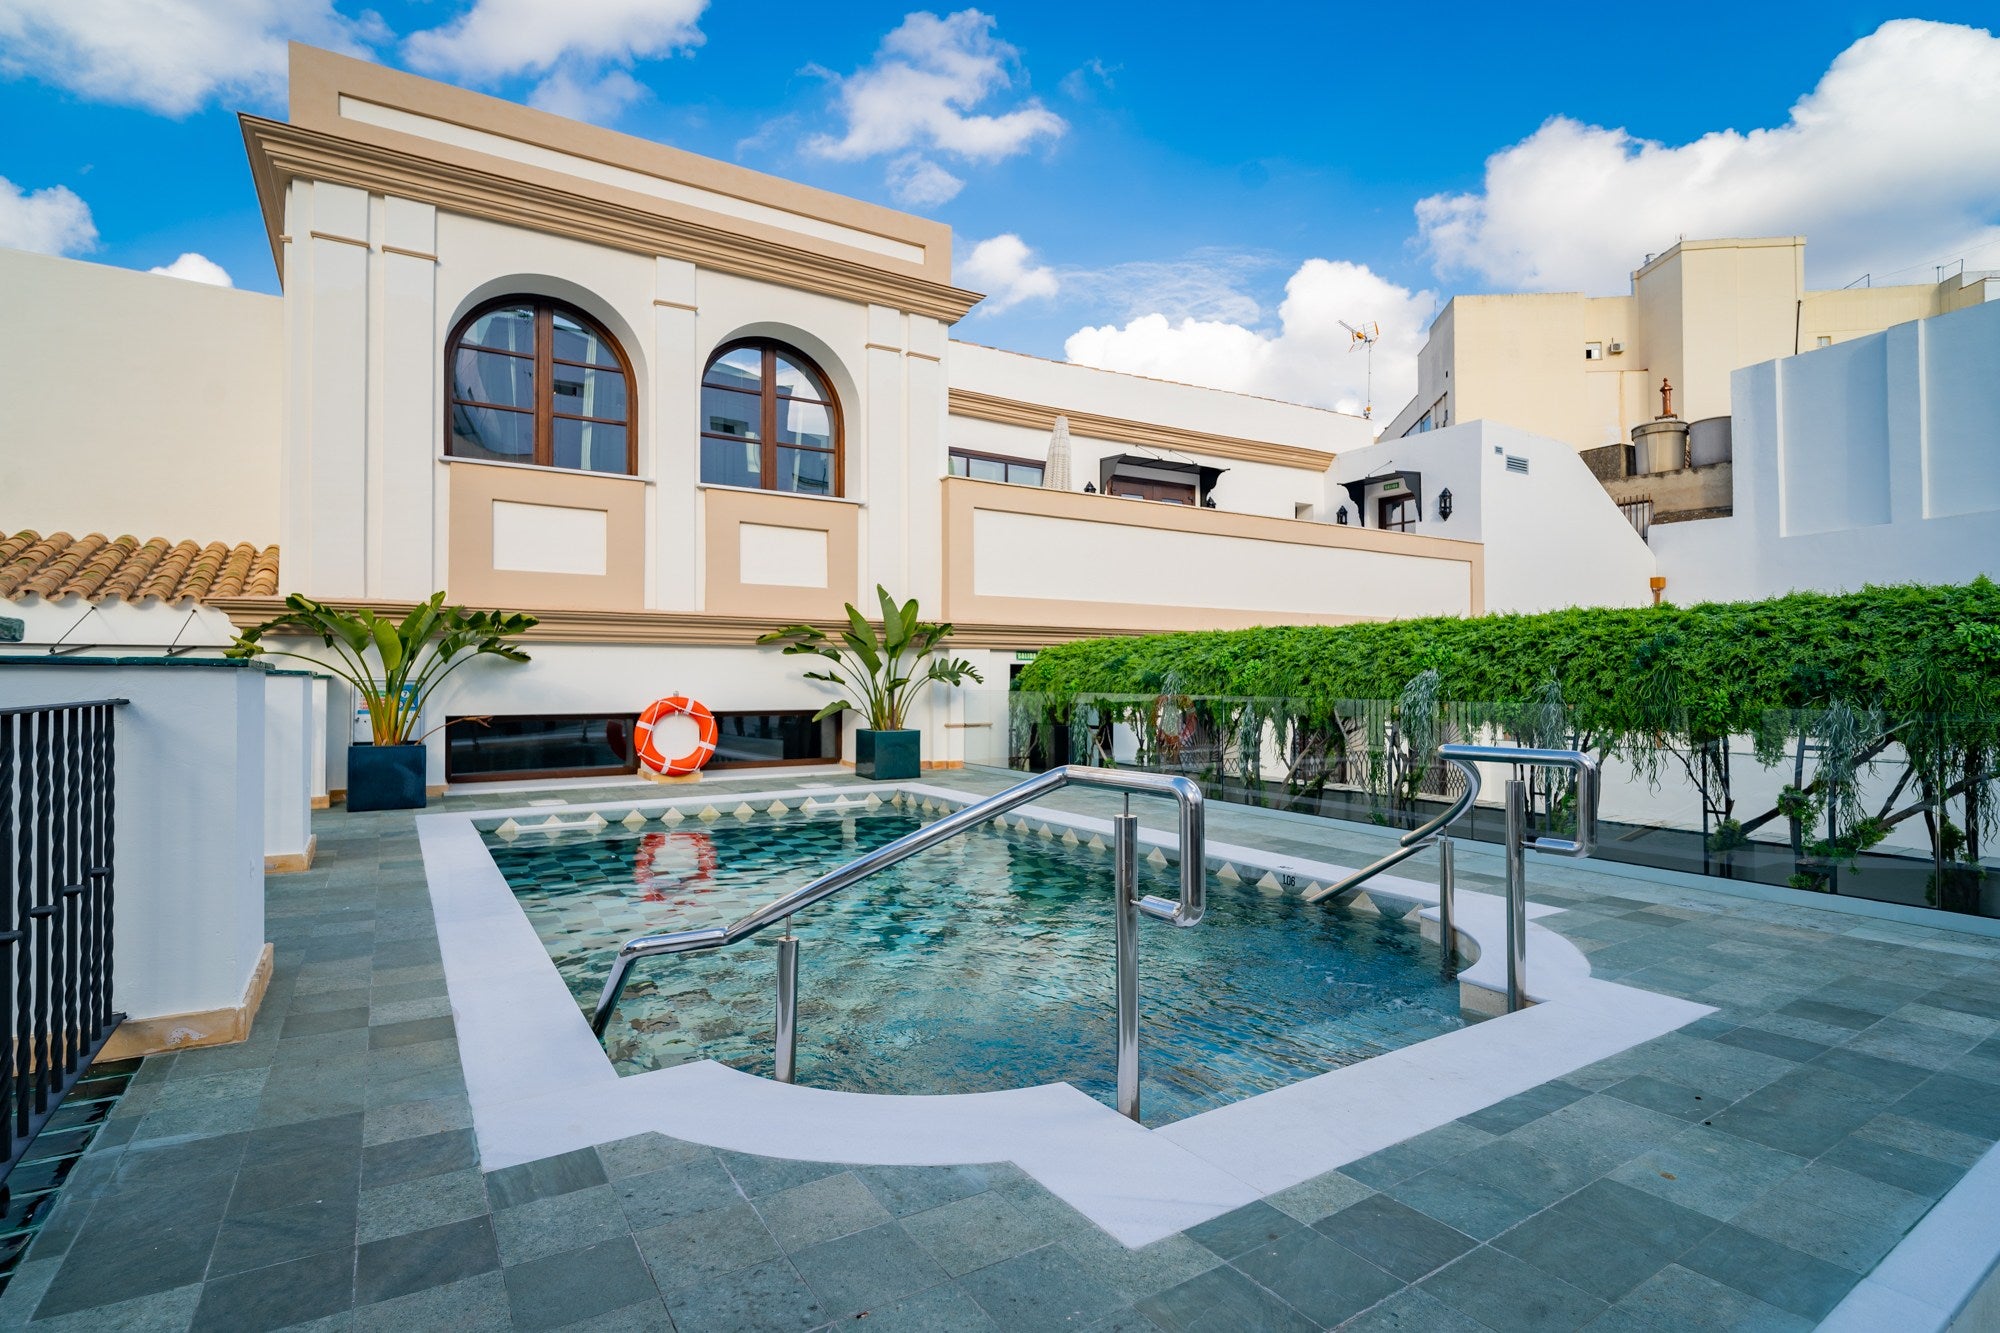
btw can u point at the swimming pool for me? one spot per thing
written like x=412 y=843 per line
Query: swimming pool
x=983 y=964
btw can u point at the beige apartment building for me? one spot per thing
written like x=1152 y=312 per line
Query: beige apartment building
x=1587 y=369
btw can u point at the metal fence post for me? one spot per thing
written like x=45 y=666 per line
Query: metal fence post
x=788 y=1008
x=1447 y=910
x=1125 y=839
x=1517 y=895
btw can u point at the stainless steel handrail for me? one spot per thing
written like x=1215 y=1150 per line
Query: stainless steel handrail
x=1410 y=844
x=1464 y=758
x=1186 y=912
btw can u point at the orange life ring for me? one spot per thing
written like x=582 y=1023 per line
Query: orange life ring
x=676 y=705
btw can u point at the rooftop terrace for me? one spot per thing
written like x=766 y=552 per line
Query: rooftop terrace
x=1746 y=1171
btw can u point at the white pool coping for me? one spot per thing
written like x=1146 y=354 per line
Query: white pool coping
x=540 y=1083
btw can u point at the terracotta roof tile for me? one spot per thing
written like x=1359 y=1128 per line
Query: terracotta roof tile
x=98 y=568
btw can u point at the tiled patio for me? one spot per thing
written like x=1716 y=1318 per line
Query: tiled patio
x=1743 y=1172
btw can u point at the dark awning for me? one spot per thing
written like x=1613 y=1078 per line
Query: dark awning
x=1201 y=475
x=1413 y=486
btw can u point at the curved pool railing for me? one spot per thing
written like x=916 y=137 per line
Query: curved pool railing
x=1466 y=758
x=1187 y=911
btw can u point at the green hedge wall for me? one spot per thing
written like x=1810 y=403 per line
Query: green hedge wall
x=1696 y=672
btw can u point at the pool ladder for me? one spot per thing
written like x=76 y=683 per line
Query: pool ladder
x=1125 y=878
x=1464 y=758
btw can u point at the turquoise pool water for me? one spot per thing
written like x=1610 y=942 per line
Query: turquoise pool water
x=982 y=964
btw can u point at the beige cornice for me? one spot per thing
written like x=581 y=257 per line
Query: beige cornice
x=666 y=628
x=281 y=153
x=1042 y=417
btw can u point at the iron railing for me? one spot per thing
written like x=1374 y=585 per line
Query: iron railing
x=57 y=843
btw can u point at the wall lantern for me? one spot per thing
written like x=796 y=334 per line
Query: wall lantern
x=1090 y=488
x=1444 y=504
x=1340 y=516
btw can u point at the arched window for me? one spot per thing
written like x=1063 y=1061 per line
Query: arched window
x=534 y=381
x=769 y=420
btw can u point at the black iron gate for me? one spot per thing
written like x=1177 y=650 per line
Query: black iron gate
x=56 y=855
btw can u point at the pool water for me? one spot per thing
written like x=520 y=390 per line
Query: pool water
x=982 y=964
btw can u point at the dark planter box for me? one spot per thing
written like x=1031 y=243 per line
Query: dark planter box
x=887 y=755
x=385 y=777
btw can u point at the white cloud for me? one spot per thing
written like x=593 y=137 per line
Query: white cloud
x=1209 y=283
x=1891 y=163
x=196 y=268
x=1306 y=360
x=51 y=221
x=170 y=56
x=1004 y=268
x=917 y=182
x=580 y=50
x=918 y=97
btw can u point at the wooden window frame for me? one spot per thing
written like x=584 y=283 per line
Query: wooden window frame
x=1403 y=506
x=544 y=361
x=767 y=413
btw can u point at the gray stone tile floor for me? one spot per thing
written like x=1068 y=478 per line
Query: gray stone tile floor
x=1741 y=1173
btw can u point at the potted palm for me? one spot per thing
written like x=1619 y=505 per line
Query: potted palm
x=412 y=658
x=882 y=674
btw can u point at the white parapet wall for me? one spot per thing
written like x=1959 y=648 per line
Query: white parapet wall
x=294 y=763
x=1870 y=461
x=189 y=961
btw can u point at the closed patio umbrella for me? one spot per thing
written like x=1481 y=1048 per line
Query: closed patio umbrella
x=1055 y=476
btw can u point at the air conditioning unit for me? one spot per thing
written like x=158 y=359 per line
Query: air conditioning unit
x=1614 y=349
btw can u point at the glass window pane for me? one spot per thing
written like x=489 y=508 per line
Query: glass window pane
x=551 y=745
x=588 y=393
x=510 y=328
x=731 y=462
x=742 y=369
x=489 y=377
x=772 y=738
x=796 y=381
x=727 y=413
x=958 y=462
x=986 y=469
x=489 y=433
x=810 y=424
x=577 y=341
x=806 y=471
x=591 y=445
x=1025 y=474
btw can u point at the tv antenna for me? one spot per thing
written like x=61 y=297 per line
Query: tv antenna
x=1365 y=338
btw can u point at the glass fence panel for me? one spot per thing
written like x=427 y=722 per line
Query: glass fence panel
x=1825 y=802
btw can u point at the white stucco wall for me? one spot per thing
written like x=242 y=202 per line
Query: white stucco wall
x=291 y=747
x=135 y=403
x=1069 y=387
x=1870 y=461
x=1553 y=538
x=190 y=825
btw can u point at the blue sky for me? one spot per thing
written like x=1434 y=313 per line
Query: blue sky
x=1167 y=179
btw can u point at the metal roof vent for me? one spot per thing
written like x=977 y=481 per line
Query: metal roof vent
x=1516 y=463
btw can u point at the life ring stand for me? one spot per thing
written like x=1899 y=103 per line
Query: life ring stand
x=651 y=761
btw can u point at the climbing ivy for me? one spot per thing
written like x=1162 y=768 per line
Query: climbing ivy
x=1845 y=676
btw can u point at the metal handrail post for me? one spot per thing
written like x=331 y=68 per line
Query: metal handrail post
x=787 y=1054
x=1447 y=909
x=1125 y=880
x=1517 y=895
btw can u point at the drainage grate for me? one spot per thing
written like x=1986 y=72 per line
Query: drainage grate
x=30 y=1193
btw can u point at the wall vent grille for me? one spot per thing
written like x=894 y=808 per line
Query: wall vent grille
x=1516 y=463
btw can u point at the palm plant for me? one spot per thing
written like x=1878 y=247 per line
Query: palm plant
x=415 y=653
x=882 y=672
